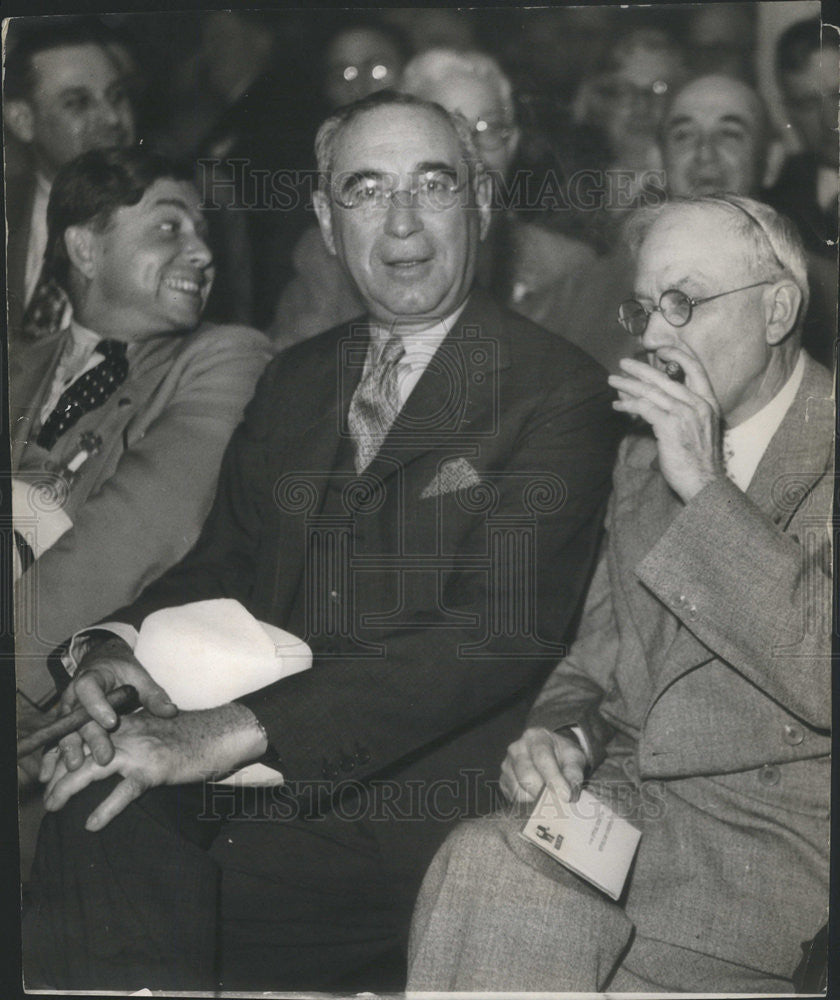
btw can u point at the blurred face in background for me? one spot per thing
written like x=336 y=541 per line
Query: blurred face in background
x=628 y=102
x=78 y=102
x=478 y=99
x=359 y=62
x=714 y=139
x=810 y=97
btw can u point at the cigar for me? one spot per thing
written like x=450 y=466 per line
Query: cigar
x=674 y=371
x=122 y=699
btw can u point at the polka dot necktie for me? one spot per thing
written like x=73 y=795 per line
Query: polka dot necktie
x=88 y=392
x=376 y=403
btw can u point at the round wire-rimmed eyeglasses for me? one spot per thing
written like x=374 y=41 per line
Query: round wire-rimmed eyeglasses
x=676 y=308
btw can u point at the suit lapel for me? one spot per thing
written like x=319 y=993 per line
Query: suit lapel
x=31 y=371
x=796 y=457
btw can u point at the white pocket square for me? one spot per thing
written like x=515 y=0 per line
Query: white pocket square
x=454 y=474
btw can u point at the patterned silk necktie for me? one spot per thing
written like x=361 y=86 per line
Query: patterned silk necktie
x=376 y=402
x=45 y=310
x=88 y=392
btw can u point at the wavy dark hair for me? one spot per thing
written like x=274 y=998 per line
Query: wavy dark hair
x=88 y=190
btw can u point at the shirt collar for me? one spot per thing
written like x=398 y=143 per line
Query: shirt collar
x=417 y=342
x=82 y=336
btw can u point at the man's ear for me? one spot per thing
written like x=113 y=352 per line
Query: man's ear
x=483 y=201
x=323 y=211
x=79 y=242
x=781 y=304
x=20 y=119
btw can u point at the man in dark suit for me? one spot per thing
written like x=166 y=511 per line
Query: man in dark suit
x=64 y=95
x=418 y=495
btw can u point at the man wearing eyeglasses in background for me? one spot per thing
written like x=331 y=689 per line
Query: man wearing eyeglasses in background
x=714 y=138
x=696 y=697
x=418 y=495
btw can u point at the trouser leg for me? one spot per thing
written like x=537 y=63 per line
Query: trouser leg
x=132 y=905
x=305 y=902
x=495 y=913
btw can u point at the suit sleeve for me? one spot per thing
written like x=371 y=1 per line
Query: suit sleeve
x=150 y=510
x=431 y=682
x=758 y=596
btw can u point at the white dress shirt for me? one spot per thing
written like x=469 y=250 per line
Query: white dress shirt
x=744 y=445
x=419 y=346
x=77 y=358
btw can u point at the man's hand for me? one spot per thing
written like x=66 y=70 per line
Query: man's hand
x=538 y=758
x=151 y=751
x=106 y=666
x=686 y=419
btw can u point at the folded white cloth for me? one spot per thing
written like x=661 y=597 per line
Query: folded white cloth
x=208 y=653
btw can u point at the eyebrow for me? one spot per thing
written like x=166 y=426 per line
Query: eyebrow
x=688 y=279
x=690 y=120
x=198 y=219
x=74 y=91
x=172 y=203
x=427 y=166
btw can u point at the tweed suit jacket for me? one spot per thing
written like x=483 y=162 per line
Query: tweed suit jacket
x=507 y=434
x=138 y=504
x=705 y=644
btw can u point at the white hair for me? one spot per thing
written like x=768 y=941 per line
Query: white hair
x=775 y=247
x=433 y=65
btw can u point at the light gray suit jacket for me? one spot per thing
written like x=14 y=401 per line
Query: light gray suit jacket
x=136 y=506
x=705 y=648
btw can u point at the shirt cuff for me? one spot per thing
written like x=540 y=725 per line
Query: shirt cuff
x=580 y=735
x=80 y=642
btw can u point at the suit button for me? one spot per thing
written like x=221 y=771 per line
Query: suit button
x=769 y=775
x=334 y=595
x=794 y=734
x=362 y=754
x=692 y=613
x=347 y=762
x=679 y=600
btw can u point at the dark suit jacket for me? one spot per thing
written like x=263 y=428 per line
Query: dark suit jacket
x=20 y=192
x=706 y=646
x=430 y=610
x=136 y=506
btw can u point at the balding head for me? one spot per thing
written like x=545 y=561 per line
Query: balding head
x=714 y=138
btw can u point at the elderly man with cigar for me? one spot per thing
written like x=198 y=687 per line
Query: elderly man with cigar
x=418 y=495
x=696 y=697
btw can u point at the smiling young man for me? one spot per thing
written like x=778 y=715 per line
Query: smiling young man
x=125 y=414
x=418 y=495
x=64 y=95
